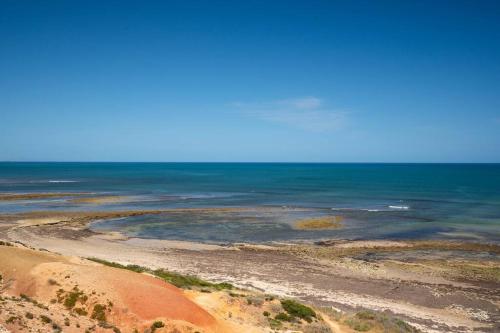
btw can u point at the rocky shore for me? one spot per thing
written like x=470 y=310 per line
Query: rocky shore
x=437 y=286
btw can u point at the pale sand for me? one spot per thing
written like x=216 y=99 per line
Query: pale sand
x=372 y=244
x=101 y=200
x=39 y=221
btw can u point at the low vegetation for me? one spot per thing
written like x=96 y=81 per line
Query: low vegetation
x=187 y=281
x=72 y=297
x=366 y=321
x=156 y=325
x=45 y=319
x=26 y=298
x=275 y=324
x=178 y=280
x=283 y=317
x=287 y=314
x=295 y=309
x=99 y=313
x=80 y=311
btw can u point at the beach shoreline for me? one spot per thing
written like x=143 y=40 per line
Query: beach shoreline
x=428 y=293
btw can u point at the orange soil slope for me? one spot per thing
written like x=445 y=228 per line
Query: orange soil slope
x=137 y=299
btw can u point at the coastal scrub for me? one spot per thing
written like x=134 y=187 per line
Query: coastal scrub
x=295 y=309
x=178 y=280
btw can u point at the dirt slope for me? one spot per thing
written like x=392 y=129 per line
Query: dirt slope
x=125 y=299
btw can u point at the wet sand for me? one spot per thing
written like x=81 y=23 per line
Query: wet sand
x=31 y=196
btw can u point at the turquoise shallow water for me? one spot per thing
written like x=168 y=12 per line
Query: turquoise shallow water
x=458 y=201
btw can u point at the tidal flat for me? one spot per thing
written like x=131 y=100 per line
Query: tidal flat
x=435 y=285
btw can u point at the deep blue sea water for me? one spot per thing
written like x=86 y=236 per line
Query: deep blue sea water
x=392 y=201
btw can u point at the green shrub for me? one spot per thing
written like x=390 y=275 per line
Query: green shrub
x=56 y=328
x=72 y=297
x=317 y=327
x=295 y=309
x=274 y=324
x=53 y=282
x=255 y=300
x=188 y=281
x=178 y=280
x=99 y=312
x=80 y=311
x=135 y=268
x=156 y=325
x=223 y=285
x=106 y=325
x=367 y=315
x=283 y=317
x=365 y=320
x=403 y=325
x=358 y=325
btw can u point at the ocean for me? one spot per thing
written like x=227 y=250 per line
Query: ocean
x=375 y=201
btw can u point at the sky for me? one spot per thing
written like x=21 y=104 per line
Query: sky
x=250 y=81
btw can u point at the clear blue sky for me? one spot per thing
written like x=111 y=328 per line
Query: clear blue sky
x=319 y=81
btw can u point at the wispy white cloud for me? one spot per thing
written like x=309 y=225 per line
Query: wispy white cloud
x=305 y=103
x=306 y=113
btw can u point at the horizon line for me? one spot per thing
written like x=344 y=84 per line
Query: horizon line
x=246 y=162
